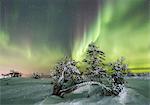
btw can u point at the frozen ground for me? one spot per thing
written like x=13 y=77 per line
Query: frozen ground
x=27 y=91
x=23 y=91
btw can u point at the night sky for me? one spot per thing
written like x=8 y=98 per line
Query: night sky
x=34 y=34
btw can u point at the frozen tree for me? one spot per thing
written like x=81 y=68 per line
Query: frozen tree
x=36 y=75
x=95 y=61
x=119 y=70
x=96 y=70
x=66 y=75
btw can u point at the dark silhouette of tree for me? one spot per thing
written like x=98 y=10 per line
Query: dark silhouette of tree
x=15 y=73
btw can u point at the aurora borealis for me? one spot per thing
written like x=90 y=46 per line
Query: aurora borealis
x=34 y=34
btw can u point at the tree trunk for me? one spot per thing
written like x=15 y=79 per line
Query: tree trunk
x=56 y=89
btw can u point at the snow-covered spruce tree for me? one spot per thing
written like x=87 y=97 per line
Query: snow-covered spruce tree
x=95 y=63
x=119 y=70
x=96 y=69
x=66 y=75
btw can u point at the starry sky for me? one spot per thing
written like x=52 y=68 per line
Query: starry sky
x=34 y=34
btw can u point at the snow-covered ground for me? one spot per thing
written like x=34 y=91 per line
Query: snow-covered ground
x=28 y=91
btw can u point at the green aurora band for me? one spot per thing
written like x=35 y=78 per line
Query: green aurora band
x=120 y=28
x=26 y=58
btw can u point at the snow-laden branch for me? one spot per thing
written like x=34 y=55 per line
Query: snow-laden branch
x=70 y=89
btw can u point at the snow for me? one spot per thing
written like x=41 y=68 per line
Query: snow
x=28 y=91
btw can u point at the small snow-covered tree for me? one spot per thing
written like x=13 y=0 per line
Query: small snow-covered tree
x=36 y=75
